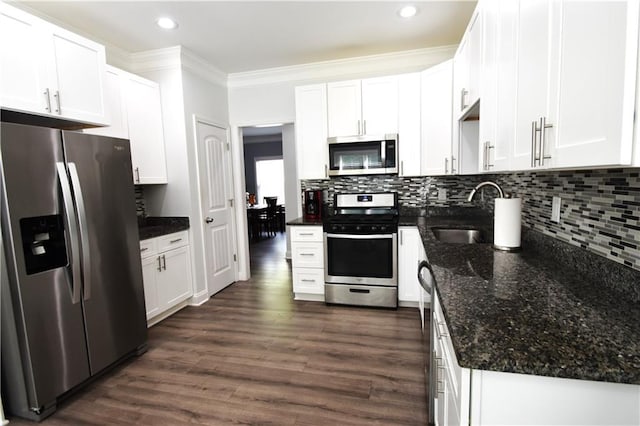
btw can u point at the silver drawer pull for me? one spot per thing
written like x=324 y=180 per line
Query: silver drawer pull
x=175 y=241
x=144 y=249
x=307 y=254
x=306 y=233
x=304 y=280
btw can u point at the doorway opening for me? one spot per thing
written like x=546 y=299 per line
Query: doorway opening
x=265 y=178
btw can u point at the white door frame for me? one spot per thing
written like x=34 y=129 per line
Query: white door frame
x=200 y=219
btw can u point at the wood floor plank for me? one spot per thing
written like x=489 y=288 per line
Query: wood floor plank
x=253 y=355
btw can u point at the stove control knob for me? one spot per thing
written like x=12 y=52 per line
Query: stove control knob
x=375 y=228
x=358 y=227
x=383 y=228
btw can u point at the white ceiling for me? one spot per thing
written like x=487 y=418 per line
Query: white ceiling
x=237 y=36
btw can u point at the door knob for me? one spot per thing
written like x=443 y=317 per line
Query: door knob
x=208 y=219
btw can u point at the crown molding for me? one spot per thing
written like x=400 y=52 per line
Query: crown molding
x=156 y=60
x=388 y=63
x=177 y=57
x=203 y=68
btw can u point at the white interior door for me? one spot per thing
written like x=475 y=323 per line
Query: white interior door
x=217 y=211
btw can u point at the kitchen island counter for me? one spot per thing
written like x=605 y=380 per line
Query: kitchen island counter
x=550 y=309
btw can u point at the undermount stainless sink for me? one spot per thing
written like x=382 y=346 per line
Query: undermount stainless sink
x=459 y=236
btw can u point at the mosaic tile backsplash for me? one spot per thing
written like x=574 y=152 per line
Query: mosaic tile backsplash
x=600 y=208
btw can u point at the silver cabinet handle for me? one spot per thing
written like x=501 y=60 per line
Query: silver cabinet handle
x=137 y=174
x=159 y=264
x=47 y=97
x=72 y=231
x=364 y=127
x=533 y=143
x=543 y=126
x=402 y=168
x=307 y=254
x=175 y=241
x=305 y=280
x=84 y=231
x=57 y=97
x=164 y=262
x=326 y=171
x=463 y=94
x=306 y=233
x=442 y=333
x=144 y=249
x=487 y=155
x=446 y=165
x=453 y=162
x=209 y=219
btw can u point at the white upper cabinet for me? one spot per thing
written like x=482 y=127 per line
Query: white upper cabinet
x=344 y=102
x=437 y=109
x=467 y=63
x=115 y=107
x=311 y=131
x=380 y=105
x=134 y=111
x=144 y=117
x=410 y=149
x=576 y=71
x=47 y=70
x=358 y=107
x=594 y=76
x=499 y=28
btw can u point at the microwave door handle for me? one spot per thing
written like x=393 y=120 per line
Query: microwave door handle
x=72 y=231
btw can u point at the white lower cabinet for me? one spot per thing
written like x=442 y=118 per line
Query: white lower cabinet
x=307 y=259
x=409 y=249
x=166 y=272
x=478 y=397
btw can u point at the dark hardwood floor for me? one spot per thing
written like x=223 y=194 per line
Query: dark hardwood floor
x=253 y=355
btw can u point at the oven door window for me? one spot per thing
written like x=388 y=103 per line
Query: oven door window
x=360 y=257
x=356 y=156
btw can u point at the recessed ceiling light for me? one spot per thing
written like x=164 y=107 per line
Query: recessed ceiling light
x=167 y=23
x=408 y=11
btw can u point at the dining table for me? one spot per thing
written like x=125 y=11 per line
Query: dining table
x=253 y=218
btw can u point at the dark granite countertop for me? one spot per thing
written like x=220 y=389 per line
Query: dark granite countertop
x=306 y=222
x=151 y=227
x=549 y=309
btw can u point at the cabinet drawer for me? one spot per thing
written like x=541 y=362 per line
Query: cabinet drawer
x=172 y=241
x=307 y=255
x=306 y=233
x=308 y=280
x=148 y=247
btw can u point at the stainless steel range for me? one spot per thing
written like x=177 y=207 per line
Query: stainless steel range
x=361 y=250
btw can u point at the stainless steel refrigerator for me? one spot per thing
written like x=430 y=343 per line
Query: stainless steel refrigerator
x=73 y=301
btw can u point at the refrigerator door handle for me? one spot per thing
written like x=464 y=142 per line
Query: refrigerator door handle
x=72 y=232
x=84 y=231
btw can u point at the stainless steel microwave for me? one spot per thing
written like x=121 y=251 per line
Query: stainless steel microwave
x=363 y=155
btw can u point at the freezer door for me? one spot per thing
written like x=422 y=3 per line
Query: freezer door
x=36 y=233
x=113 y=298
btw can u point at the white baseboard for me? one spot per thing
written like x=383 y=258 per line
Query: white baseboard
x=200 y=298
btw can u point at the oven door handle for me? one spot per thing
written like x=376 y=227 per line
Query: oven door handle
x=361 y=237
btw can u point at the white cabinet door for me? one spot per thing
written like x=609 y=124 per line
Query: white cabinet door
x=79 y=71
x=498 y=84
x=50 y=71
x=150 y=266
x=174 y=282
x=534 y=36
x=380 y=105
x=408 y=259
x=409 y=125
x=437 y=125
x=344 y=104
x=593 y=59
x=311 y=131
x=146 y=133
x=23 y=78
x=115 y=107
